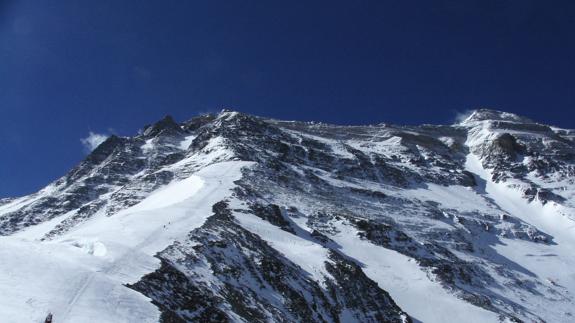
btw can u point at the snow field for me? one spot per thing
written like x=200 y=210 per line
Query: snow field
x=407 y=283
x=80 y=276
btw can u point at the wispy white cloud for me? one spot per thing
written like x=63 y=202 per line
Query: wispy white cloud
x=93 y=140
x=460 y=116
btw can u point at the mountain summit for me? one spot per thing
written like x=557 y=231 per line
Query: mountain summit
x=494 y=115
x=235 y=218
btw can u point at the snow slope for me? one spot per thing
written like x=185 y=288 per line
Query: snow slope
x=305 y=253
x=79 y=276
x=424 y=299
x=408 y=284
x=552 y=263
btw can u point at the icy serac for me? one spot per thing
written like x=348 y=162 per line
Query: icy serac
x=236 y=218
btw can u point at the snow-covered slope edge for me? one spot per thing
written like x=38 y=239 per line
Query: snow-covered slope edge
x=79 y=276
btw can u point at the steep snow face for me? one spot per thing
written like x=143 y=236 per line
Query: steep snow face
x=79 y=276
x=527 y=171
x=309 y=255
x=231 y=217
x=551 y=264
x=407 y=283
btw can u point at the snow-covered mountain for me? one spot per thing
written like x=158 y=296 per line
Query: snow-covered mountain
x=236 y=218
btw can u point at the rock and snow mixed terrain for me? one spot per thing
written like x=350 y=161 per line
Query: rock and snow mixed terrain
x=236 y=218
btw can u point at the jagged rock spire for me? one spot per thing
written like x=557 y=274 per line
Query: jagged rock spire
x=166 y=124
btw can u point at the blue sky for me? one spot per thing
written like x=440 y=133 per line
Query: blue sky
x=68 y=68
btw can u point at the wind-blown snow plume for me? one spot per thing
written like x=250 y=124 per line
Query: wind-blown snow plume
x=93 y=140
x=460 y=116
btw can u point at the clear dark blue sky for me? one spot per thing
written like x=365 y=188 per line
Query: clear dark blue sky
x=68 y=67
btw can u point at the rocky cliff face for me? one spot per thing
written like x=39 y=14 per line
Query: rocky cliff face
x=330 y=223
